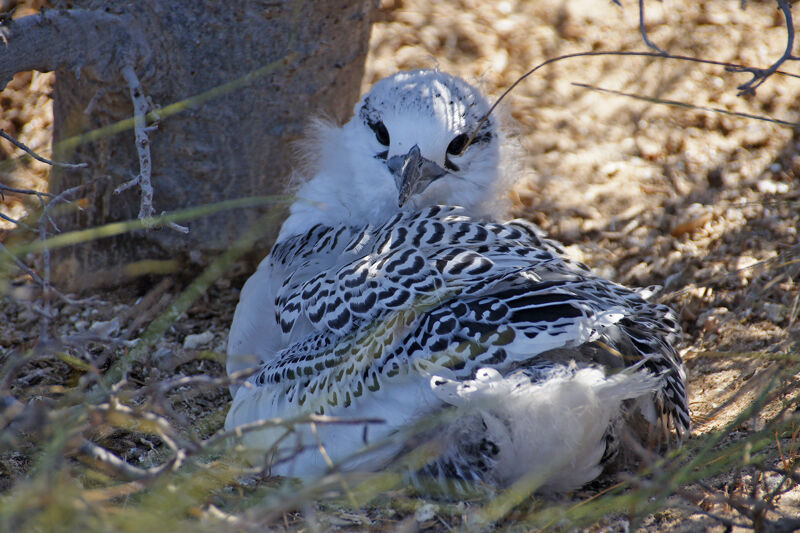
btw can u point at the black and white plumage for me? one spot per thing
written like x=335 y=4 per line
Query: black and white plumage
x=383 y=300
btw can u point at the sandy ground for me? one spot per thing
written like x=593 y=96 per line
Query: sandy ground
x=703 y=203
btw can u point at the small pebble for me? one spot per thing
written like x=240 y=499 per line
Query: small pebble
x=426 y=512
x=774 y=312
x=104 y=328
x=194 y=341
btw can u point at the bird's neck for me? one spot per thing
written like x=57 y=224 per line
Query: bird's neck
x=332 y=200
x=353 y=189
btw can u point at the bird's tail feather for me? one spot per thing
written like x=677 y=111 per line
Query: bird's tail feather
x=553 y=430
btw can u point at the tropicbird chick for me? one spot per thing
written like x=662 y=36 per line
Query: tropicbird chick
x=382 y=300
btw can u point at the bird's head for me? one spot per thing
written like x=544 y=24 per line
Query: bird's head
x=407 y=147
x=418 y=124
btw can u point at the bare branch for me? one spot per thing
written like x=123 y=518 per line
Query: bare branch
x=201 y=381
x=13 y=221
x=729 y=66
x=677 y=103
x=36 y=156
x=62 y=197
x=39 y=281
x=643 y=30
x=32 y=192
x=175 y=226
x=140 y=128
x=109 y=461
x=761 y=75
x=72 y=39
x=140 y=108
x=46 y=286
x=99 y=455
x=21 y=265
x=288 y=423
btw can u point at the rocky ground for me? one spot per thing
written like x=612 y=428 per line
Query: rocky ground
x=704 y=203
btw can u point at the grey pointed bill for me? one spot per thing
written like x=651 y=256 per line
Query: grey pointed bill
x=413 y=173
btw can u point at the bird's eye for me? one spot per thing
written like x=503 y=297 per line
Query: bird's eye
x=381 y=133
x=457 y=145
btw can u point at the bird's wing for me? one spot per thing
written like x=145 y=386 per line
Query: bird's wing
x=437 y=293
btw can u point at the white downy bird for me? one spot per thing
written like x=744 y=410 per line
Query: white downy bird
x=383 y=300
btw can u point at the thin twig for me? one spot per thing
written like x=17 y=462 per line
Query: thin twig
x=331 y=466
x=44 y=280
x=62 y=197
x=38 y=280
x=6 y=188
x=643 y=31
x=689 y=106
x=122 y=468
x=605 y=53
x=98 y=454
x=79 y=340
x=143 y=180
x=175 y=226
x=238 y=431
x=782 y=259
x=22 y=266
x=207 y=382
x=46 y=286
x=14 y=221
x=761 y=75
x=729 y=523
x=36 y=156
x=159 y=425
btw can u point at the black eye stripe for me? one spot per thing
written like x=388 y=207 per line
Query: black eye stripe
x=457 y=144
x=449 y=165
x=381 y=133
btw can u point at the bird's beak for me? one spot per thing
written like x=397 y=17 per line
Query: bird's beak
x=413 y=173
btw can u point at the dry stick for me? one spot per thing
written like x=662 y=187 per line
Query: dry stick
x=329 y=462
x=160 y=388
x=678 y=103
x=643 y=31
x=761 y=75
x=62 y=197
x=157 y=328
x=100 y=455
x=5 y=188
x=32 y=192
x=288 y=423
x=696 y=502
x=729 y=66
x=41 y=282
x=142 y=145
x=44 y=283
x=787 y=259
x=122 y=468
x=793 y=312
x=36 y=156
x=158 y=424
x=13 y=221
x=22 y=266
x=47 y=288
